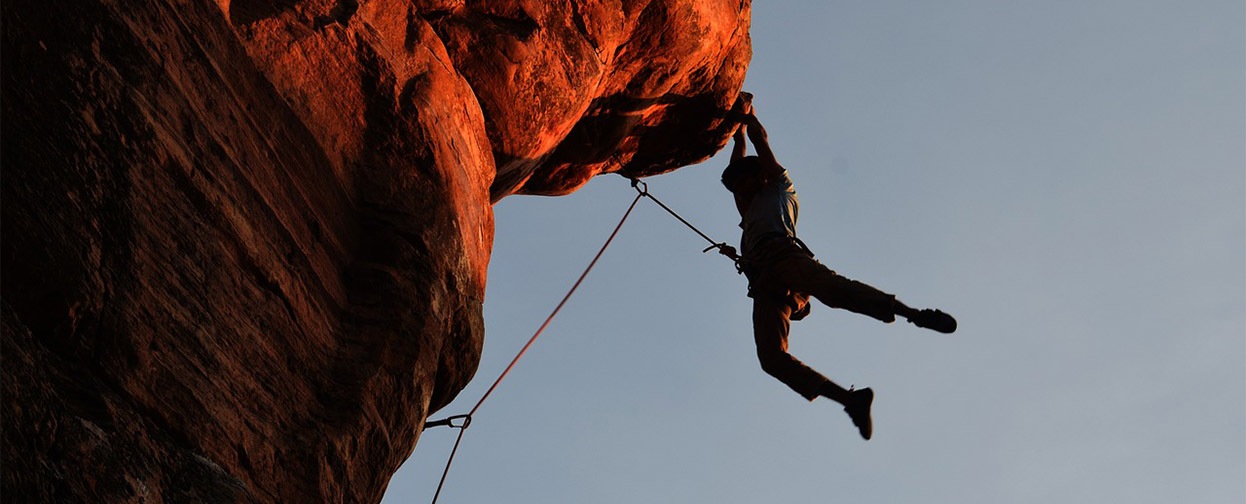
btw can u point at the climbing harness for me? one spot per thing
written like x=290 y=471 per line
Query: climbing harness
x=462 y=422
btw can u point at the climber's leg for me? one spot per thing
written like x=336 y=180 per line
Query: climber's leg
x=770 y=331
x=804 y=274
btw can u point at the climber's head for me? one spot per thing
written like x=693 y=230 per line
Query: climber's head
x=741 y=173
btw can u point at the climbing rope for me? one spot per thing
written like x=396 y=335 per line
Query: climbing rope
x=462 y=422
x=466 y=420
x=722 y=247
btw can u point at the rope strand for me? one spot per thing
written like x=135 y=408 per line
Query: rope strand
x=642 y=190
x=468 y=417
x=722 y=247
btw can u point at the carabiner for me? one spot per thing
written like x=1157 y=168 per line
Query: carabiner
x=640 y=187
x=449 y=422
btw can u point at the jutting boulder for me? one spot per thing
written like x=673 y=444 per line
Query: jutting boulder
x=245 y=241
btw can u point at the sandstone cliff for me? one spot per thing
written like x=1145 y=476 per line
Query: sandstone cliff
x=245 y=241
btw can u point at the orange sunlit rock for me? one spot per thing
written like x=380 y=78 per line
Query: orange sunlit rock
x=245 y=241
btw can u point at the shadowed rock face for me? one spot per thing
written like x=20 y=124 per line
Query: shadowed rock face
x=245 y=242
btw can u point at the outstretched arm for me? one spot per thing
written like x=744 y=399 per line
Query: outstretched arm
x=739 y=146
x=743 y=107
x=757 y=134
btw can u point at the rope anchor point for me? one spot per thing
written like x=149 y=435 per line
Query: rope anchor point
x=640 y=186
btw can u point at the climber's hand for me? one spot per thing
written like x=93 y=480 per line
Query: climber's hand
x=746 y=101
x=743 y=107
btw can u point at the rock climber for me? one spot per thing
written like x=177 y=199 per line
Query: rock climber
x=783 y=273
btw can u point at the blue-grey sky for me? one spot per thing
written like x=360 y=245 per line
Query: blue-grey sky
x=1068 y=178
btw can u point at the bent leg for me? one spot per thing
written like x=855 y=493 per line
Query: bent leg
x=770 y=330
x=802 y=273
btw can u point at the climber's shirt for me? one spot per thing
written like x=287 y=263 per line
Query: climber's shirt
x=773 y=212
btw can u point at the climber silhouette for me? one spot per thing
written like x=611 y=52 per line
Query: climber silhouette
x=783 y=274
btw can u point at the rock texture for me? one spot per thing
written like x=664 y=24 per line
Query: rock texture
x=245 y=241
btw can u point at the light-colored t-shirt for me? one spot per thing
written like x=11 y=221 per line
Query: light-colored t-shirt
x=773 y=210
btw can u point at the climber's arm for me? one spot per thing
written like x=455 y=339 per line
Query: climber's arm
x=739 y=146
x=757 y=134
x=739 y=113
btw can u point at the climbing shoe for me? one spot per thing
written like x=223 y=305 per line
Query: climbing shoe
x=858 y=408
x=934 y=320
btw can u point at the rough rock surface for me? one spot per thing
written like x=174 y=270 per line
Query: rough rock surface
x=245 y=241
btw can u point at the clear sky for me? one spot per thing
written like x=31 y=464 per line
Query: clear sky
x=1068 y=178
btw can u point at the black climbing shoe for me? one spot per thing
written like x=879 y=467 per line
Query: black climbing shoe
x=858 y=408
x=935 y=320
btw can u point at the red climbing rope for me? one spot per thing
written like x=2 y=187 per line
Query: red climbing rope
x=464 y=421
x=467 y=419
